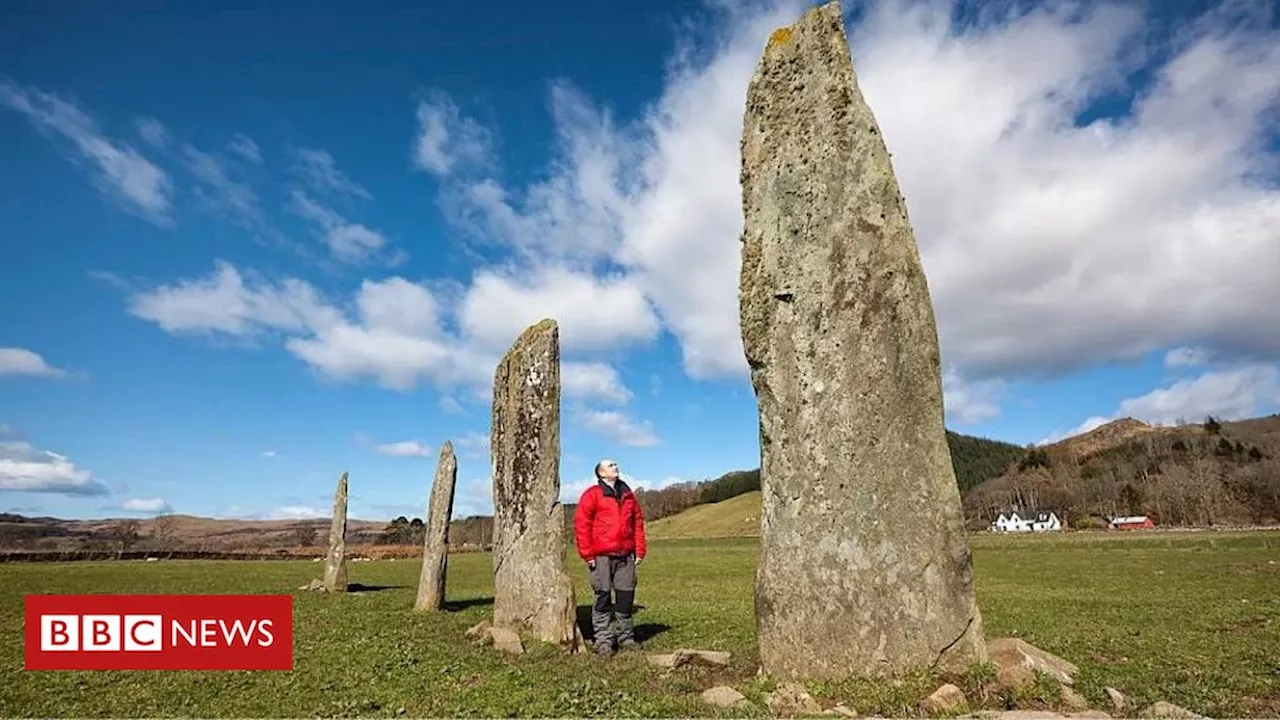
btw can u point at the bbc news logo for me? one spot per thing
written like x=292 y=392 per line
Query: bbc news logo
x=159 y=632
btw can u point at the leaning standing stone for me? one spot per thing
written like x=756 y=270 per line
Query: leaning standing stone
x=435 y=547
x=532 y=591
x=864 y=566
x=335 y=563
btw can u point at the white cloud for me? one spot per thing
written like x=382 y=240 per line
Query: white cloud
x=349 y=242
x=225 y=303
x=268 y=453
x=593 y=313
x=397 y=337
x=245 y=147
x=445 y=139
x=1187 y=357
x=321 y=171
x=1049 y=246
x=147 y=505
x=618 y=427
x=593 y=380
x=1235 y=393
x=406 y=448
x=119 y=170
x=1231 y=394
x=298 y=512
x=24 y=468
x=971 y=402
x=21 y=361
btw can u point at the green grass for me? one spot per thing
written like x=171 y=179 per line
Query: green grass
x=1194 y=620
x=737 y=517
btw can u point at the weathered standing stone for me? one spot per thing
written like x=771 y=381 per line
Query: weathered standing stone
x=435 y=547
x=864 y=566
x=335 y=562
x=532 y=590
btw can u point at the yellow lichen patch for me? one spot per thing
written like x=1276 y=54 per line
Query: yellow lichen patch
x=779 y=36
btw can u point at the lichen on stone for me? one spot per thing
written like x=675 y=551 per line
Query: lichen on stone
x=779 y=37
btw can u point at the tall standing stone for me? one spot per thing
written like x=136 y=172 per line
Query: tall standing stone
x=532 y=591
x=864 y=566
x=335 y=562
x=435 y=547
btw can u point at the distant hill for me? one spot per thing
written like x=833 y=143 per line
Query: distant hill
x=738 y=516
x=1211 y=473
x=1191 y=475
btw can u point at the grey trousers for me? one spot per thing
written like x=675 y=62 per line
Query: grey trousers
x=613 y=580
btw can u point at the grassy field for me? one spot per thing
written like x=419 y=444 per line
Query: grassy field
x=736 y=517
x=1193 y=619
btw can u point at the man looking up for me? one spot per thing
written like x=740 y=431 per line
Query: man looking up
x=609 y=530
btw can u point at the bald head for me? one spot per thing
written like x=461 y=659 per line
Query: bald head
x=607 y=470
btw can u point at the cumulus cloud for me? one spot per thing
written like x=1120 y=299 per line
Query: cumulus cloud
x=226 y=303
x=1054 y=237
x=618 y=427
x=1233 y=393
x=151 y=506
x=24 y=468
x=21 y=361
x=596 y=313
x=117 y=169
x=398 y=335
x=970 y=403
x=406 y=448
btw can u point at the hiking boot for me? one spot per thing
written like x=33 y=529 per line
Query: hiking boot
x=630 y=644
x=604 y=650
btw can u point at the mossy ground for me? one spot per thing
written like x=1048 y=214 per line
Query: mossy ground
x=1192 y=619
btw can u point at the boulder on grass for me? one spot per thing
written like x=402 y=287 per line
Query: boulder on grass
x=724 y=696
x=1009 y=652
x=945 y=699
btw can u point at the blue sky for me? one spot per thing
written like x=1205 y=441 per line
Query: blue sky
x=245 y=251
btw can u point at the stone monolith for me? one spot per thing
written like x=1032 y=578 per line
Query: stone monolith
x=864 y=565
x=533 y=593
x=435 y=547
x=335 y=562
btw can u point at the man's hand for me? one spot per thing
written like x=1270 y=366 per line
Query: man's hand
x=639 y=559
x=591 y=563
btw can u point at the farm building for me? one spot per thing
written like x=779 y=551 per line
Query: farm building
x=1031 y=522
x=1132 y=522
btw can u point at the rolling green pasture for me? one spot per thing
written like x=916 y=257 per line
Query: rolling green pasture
x=1193 y=619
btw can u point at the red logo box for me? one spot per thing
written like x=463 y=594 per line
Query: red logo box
x=159 y=632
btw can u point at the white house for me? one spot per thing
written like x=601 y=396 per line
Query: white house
x=1032 y=522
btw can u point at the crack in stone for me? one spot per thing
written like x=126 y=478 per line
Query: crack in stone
x=952 y=644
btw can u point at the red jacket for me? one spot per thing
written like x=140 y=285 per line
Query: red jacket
x=608 y=524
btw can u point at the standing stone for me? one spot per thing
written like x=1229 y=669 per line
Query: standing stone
x=864 y=565
x=532 y=591
x=435 y=547
x=335 y=563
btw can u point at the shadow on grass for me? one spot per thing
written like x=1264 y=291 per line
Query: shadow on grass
x=644 y=631
x=457 y=605
x=359 y=588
